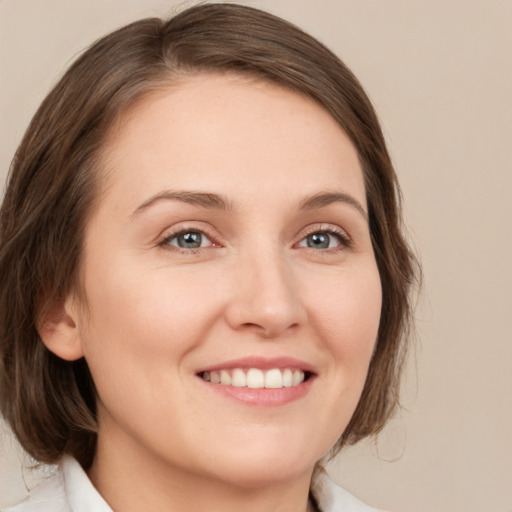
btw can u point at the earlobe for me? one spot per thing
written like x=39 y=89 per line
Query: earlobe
x=59 y=331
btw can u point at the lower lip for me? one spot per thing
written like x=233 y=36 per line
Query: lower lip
x=263 y=396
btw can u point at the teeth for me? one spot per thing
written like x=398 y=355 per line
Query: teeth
x=298 y=377
x=255 y=378
x=288 y=378
x=239 y=380
x=225 y=378
x=274 y=379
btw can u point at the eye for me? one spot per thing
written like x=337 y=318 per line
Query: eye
x=188 y=240
x=325 y=239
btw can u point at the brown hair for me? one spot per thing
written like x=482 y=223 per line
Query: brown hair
x=53 y=183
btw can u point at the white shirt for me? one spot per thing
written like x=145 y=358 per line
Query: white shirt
x=70 y=490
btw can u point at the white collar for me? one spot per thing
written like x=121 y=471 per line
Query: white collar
x=332 y=498
x=70 y=490
x=81 y=494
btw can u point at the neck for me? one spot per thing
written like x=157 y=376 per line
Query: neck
x=130 y=480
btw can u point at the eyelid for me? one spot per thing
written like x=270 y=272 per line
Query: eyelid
x=170 y=234
x=331 y=229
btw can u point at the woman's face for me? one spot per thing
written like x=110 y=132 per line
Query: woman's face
x=231 y=244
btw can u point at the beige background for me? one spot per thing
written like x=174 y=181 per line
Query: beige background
x=439 y=73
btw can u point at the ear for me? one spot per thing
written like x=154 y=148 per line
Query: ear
x=58 y=329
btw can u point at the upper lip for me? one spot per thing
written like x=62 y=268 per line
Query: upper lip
x=263 y=363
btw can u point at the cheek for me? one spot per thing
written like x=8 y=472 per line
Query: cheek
x=347 y=318
x=137 y=335
x=141 y=328
x=345 y=314
x=347 y=311
x=148 y=311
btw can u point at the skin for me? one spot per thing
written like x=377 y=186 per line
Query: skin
x=158 y=313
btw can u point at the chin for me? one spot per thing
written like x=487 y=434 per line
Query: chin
x=250 y=474
x=256 y=465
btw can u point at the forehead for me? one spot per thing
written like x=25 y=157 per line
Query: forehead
x=229 y=131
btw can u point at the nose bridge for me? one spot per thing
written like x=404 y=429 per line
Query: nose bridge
x=266 y=296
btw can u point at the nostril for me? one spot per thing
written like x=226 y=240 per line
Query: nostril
x=266 y=332
x=270 y=329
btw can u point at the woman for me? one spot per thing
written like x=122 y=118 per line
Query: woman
x=204 y=279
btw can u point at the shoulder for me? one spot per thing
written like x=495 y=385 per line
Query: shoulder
x=67 y=490
x=332 y=498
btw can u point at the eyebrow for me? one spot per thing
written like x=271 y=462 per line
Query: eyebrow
x=203 y=199
x=327 y=198
x=210 y=200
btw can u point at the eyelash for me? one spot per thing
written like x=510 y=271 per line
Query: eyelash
x=344 y=240
x=165 y=242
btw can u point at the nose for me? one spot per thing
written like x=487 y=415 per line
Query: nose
x=265 y=297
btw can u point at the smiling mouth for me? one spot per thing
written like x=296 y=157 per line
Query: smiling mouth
x=254 y=378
